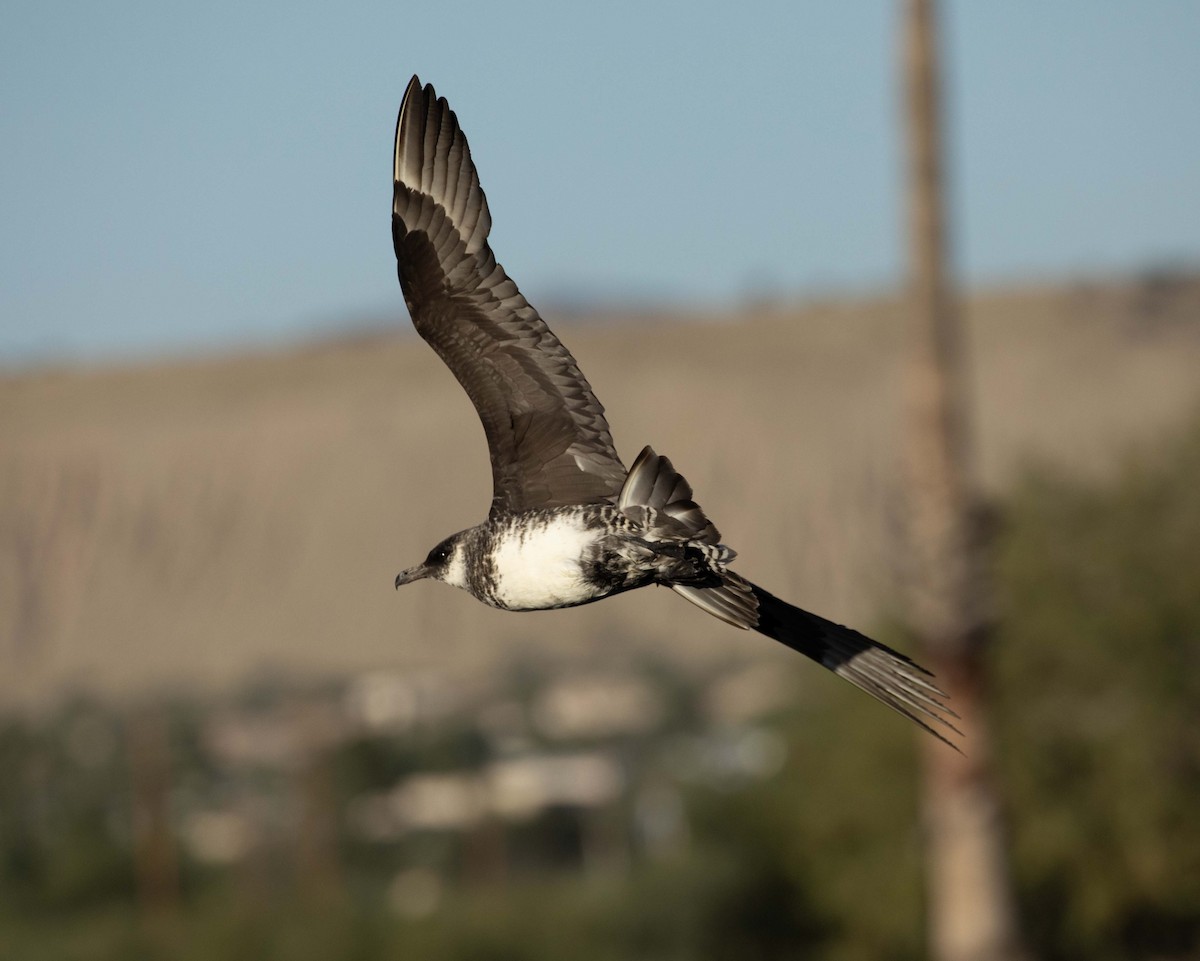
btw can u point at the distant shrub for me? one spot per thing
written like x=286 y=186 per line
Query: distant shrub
x=1097 y=681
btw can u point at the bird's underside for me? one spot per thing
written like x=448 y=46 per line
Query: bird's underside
x=568 y=524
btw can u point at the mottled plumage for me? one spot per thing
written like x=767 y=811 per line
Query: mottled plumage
x=568 y=524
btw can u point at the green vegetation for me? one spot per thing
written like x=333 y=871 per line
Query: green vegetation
x=1097 y=685
x=1097 y=714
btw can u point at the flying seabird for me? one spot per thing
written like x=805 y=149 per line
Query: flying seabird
x=568 y=523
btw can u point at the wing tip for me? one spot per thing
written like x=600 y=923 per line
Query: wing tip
x=414 y=86
x=414 y=94
x=431 y=157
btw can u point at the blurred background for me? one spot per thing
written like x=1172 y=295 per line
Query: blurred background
x=223 y=734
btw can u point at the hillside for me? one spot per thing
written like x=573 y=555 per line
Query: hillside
x=193 y=522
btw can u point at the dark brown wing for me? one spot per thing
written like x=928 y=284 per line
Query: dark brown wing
x=549 y=442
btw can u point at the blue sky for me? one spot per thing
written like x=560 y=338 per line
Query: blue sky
x=198 y=176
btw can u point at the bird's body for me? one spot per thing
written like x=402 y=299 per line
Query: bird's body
x=569 y=524
x=566 y=556
x=541 y=560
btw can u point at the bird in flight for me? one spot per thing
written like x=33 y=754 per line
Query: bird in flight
x=568 y=523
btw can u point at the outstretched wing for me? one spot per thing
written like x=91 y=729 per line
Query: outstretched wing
x=549 y=442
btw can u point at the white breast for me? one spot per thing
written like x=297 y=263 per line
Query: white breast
x=540 y=567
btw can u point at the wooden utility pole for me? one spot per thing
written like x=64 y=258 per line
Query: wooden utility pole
x=972 y=916
x=155 y=860
x=318 y=861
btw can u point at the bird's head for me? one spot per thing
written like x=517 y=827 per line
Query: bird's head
x=447 y=562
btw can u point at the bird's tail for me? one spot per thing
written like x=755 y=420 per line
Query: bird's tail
x=659 y=497
x=885 y=674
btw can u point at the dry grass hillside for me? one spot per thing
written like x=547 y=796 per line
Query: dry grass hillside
x=192 y=522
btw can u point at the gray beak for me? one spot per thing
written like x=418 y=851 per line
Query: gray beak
x=410 y=575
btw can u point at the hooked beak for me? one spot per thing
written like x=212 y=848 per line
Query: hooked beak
x=410 y=575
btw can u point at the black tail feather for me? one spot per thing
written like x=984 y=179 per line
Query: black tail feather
x=885 y=674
